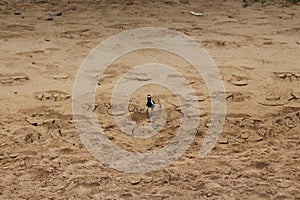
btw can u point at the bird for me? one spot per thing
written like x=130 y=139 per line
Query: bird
x=245 y=4
x=150 y=103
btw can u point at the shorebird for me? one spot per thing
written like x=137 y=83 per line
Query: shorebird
x=150 y=103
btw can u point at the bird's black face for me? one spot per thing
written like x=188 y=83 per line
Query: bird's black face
x=149 y=97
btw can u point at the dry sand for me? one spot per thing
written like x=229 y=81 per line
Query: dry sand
x=257 y=52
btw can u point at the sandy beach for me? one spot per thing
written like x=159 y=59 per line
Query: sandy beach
x=256 y=49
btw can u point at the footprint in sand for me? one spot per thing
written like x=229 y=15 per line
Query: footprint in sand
x=274 y=99
x=239 y=80
x=48 y=118
x=52 y=95
x=235 y=75
x=295 y=97
x=288 y=76
x=190 y=31
x=60 y=77
x=237 y=96
x=6 y=79
x=222 y=43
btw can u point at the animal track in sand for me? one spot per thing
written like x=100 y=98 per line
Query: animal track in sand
x=25 y=134
x=295 y=96
x=237 y=76
x=190 y=30
x=273 y=99
x=239 y=80
x=60 y=76
x=52 y=95
x=271 y=125
x=237 y=96
x=7 y=79
x=47 y=118
x=221 y=43
x=288 y=76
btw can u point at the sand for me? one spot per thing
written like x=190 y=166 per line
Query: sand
x=256 y=49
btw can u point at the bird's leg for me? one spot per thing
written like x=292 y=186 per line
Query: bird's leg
x=152 y=107
x=159 y=104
